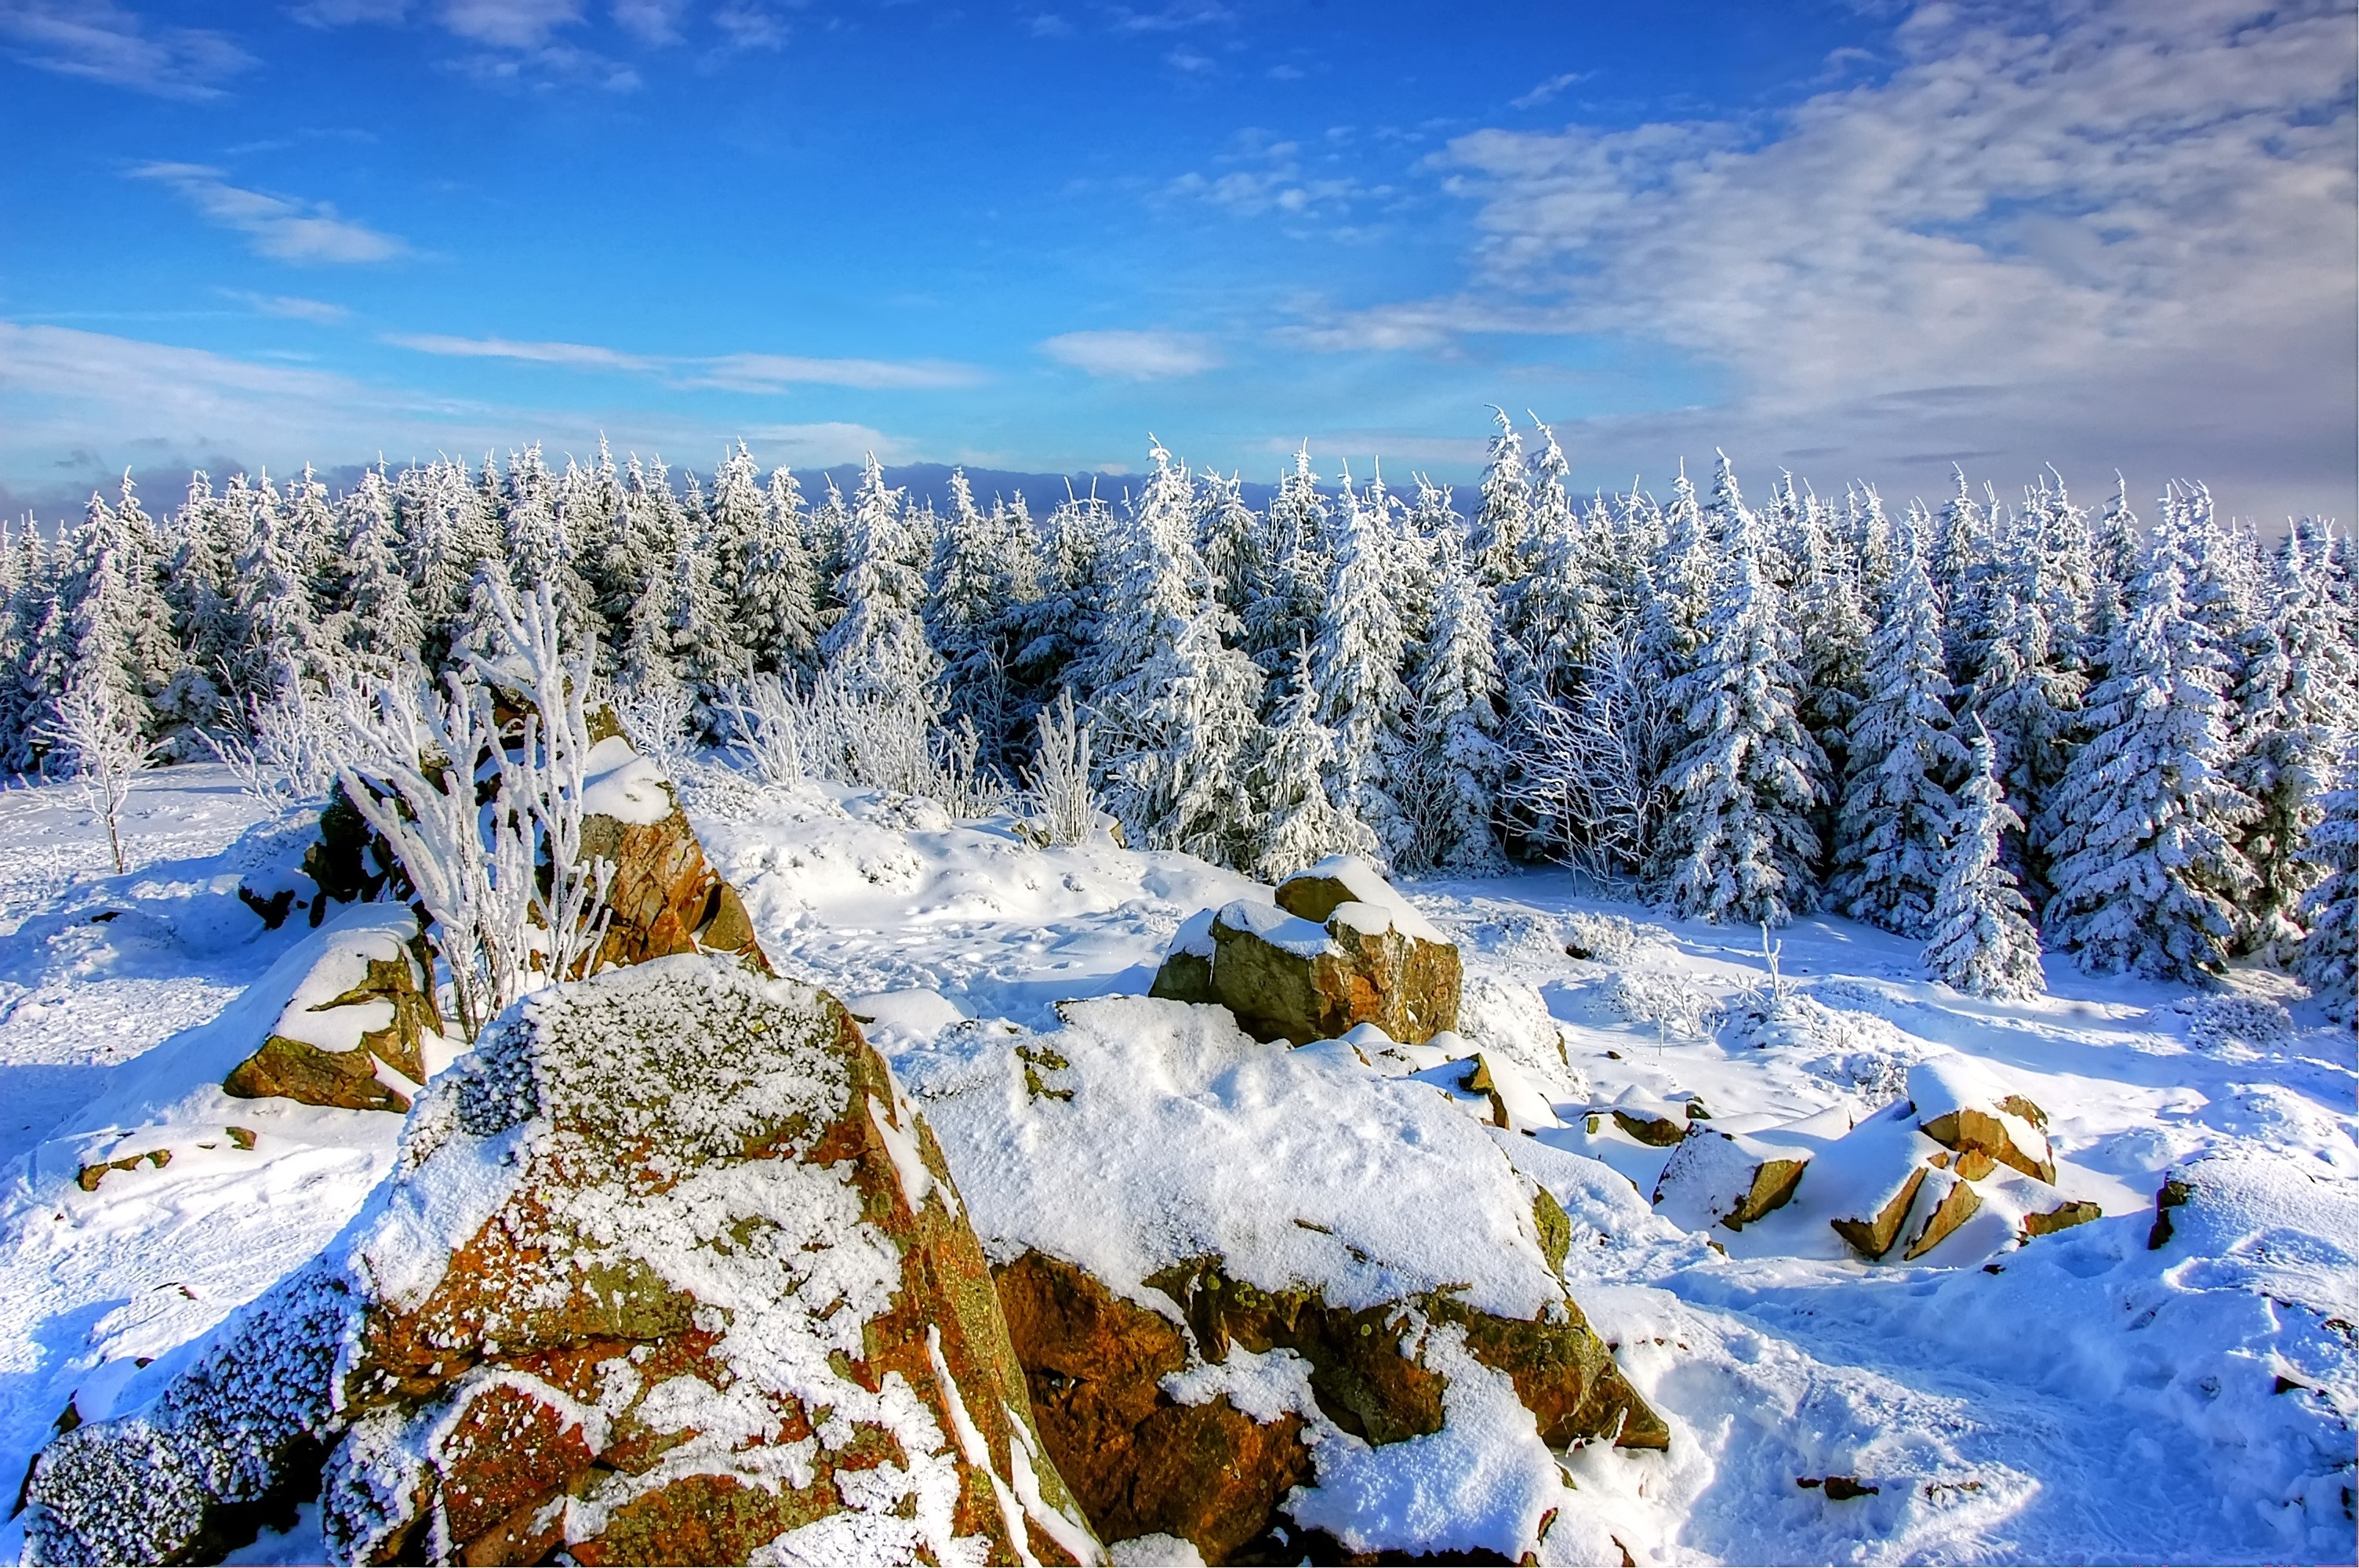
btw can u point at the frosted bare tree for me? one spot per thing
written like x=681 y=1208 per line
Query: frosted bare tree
x=505 y=882
x=1594 y=765
x=100 y=736
x=292 y=745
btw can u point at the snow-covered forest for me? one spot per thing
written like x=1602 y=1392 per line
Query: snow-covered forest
x=1990 y=722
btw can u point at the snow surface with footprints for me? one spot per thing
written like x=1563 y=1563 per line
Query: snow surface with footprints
x=2076 y=1398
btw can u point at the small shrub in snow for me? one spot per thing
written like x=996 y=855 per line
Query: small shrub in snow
x=655 y=716
x=2229 y=1025
x=1058 y=805
x=1671 y=1002
x=1610 y=938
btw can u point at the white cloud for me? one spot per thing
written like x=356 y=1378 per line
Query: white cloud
x=579 y=356
x=652 y=21
x=99 y=40
x=289 y=307
x=826 y=444
x=510 y=23
x=751 y=27
x=1132 y=355
x=734 y=373
x=2072 y=230
x=1263 y=176
x=775 y=372
x=279 y=227
x=1549 y=89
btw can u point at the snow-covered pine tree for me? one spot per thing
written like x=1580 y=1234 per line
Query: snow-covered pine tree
x=1359 y=647
x=24 y=699
x=971 y=578
x=1964 y=545
x=1455 y=762
x=2026 y=696
x=96 y=633
x=1234 y=545
x=2328 y=960
x=1174 y=705
x=1903 y=758
x=878 y=648
x=1832 y=630
x=1048 y=632
x=712 y=659
x=2115 y=552
x=1980 y=939
x=1739 y=845
x=2288 y=715
x=1551 y=620
x=734 y=518
x=381 y=623
x=777 y=601
x=2143 y=850
x=281 y=639
x=1504 y=515
x=196 y=576
x=1687 y=575
x=1300 y=826
x=1299 y=533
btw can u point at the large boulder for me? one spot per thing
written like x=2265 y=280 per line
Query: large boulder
x=666 y=896
x=1338 y=948
x=355 y=1027
x=667 y=1271
x=1963 y=1106
x=1290 y=1283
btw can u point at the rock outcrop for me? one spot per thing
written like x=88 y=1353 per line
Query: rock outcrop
x=1292 y=1274
x=1338 y=948
x=362 y=1013
x=667 y=1271
x=1724 y=1178
x=1962 y=1107
x=666 y=896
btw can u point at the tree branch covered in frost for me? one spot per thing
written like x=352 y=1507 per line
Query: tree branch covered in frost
x=869 y=740
x=293 y=745
x=413 y=769
x=1058 y=804
x=545 y=775
x=1593 y=776
x=656 y=715
x=103 y=738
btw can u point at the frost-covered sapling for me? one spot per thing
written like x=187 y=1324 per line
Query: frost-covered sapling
x=1059 y=806
x=103 y=741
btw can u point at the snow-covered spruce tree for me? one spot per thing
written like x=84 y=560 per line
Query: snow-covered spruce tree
x=1174 y=704
x=972 y=578
x=1359 y=646
x=712 y=659
x=1980 y=939
x=1300 y=824
x=734 y=517
x=1903 y=758
x=1739 y=845
x=2288 y=716
x=1235 y=545
x=196 y=575
x=1049 y=632
x=1299 y=536
x=1455 y=764
x=2328 y=962
x=281 y=636
x=2115 y=552
x=1504 y=515
x=1688 y=573
x=2027 y=698
x=2144 y=859
x=778 y=583
x=1964 y=544
x=878 y=649
x=30 y=577
x=109 y=620
x=1551 y=620
x=1832 y=628
x=380 y=623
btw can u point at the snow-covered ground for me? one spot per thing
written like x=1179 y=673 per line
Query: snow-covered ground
x=2078 y=1398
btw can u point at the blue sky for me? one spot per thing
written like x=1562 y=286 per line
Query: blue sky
x=1856 y=239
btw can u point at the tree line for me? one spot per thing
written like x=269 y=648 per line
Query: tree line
x=1992 y=724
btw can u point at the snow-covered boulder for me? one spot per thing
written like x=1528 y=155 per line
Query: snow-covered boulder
x=357 y=1018
x=668 y=1269
x=1725 y=1178
x=1338 y=948
x=1963 y=1106
x=1255 y=1287
x=666 y=896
